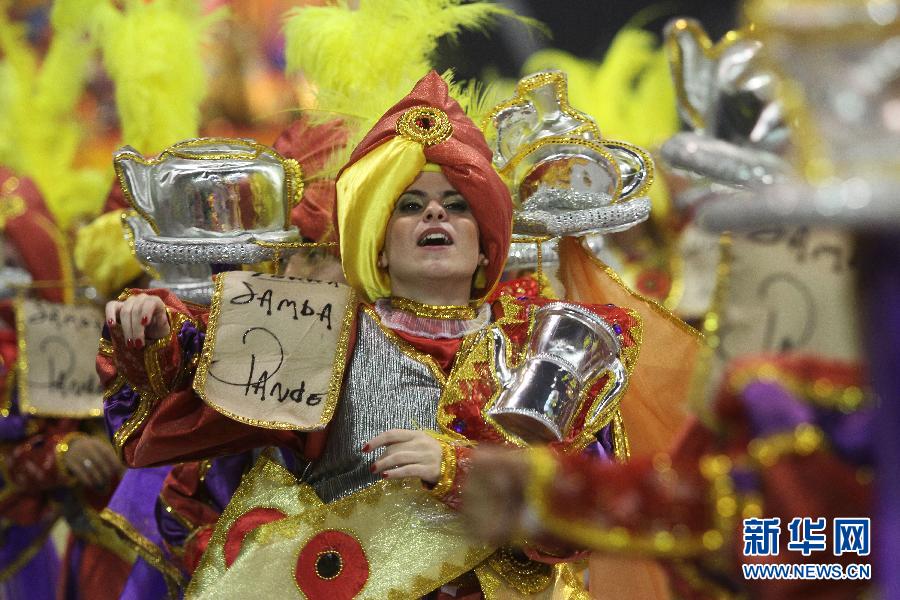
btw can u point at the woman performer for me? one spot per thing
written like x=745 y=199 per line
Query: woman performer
x=424 y=224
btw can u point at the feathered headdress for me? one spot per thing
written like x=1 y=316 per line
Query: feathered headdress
x=361 y=61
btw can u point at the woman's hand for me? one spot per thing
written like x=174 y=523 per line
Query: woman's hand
x=407 y=454
x=92 y=462
x=142 y=316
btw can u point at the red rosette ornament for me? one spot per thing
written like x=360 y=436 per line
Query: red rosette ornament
x=247 y=522
x=332 y=566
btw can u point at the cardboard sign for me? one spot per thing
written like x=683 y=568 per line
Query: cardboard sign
x=787 y=290
x=57 y=359
x=275 y=349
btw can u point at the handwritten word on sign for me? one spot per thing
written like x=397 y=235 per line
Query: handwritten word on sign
x=275 y=349
x=58 y=349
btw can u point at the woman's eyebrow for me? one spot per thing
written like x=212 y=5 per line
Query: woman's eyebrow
x=416 y=193
x=449 y=193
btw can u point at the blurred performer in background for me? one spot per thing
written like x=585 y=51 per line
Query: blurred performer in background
x=52 y=467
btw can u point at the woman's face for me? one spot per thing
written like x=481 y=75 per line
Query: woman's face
x=431 y=234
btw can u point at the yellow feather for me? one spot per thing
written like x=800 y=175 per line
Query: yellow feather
x=40 y=132
x=362 y=61
x=152 y=52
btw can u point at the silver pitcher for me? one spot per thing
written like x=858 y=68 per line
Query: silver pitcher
x=569 y=347
x=211 y=200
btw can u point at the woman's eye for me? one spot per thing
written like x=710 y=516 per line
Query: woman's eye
x=456 y=204
x=409 y=205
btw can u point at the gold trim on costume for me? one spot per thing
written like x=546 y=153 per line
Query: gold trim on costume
x=448 y=470
x=619 y=540
x=408 y=349
x=150 y=395
x=822 y=392
x=433 y=311
x=146 y=549
x=654 y=305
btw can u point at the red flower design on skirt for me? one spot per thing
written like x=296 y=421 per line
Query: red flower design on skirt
x=332 y=566
x=247 y=522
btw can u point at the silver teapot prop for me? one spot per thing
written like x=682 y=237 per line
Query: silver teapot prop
x=568 y=349
x=211 y=200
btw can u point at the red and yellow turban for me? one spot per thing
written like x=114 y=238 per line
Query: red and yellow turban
x=427 y=126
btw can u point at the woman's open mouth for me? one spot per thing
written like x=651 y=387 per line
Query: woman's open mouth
x=435 y=237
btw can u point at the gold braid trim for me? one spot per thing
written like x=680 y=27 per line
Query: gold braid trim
x=448 y=470
x=433 y=311
x=146 y=549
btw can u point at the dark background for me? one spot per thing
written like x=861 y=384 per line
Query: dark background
x=584 y=28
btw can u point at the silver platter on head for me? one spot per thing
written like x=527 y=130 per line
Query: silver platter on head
x=241 y=250
x=566 y=221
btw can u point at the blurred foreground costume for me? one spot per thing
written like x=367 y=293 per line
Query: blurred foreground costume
x=37 y=489
x=343 y=531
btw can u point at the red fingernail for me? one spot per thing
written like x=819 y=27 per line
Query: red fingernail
x=365 y=448
x=145 y=320
x=384 y=475
x=110 y=322
x=138 y=344
x=128 y=343
x=372 y=468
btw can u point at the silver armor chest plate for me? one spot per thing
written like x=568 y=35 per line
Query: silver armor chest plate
x=384 y=389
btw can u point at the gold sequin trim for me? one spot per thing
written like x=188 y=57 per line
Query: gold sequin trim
x=802 y=441
x=448 y=471
x=146 y=549
x=157 y=388
x=433 y=311
x=525 y=576
x=425 y=124
x=408 y=349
